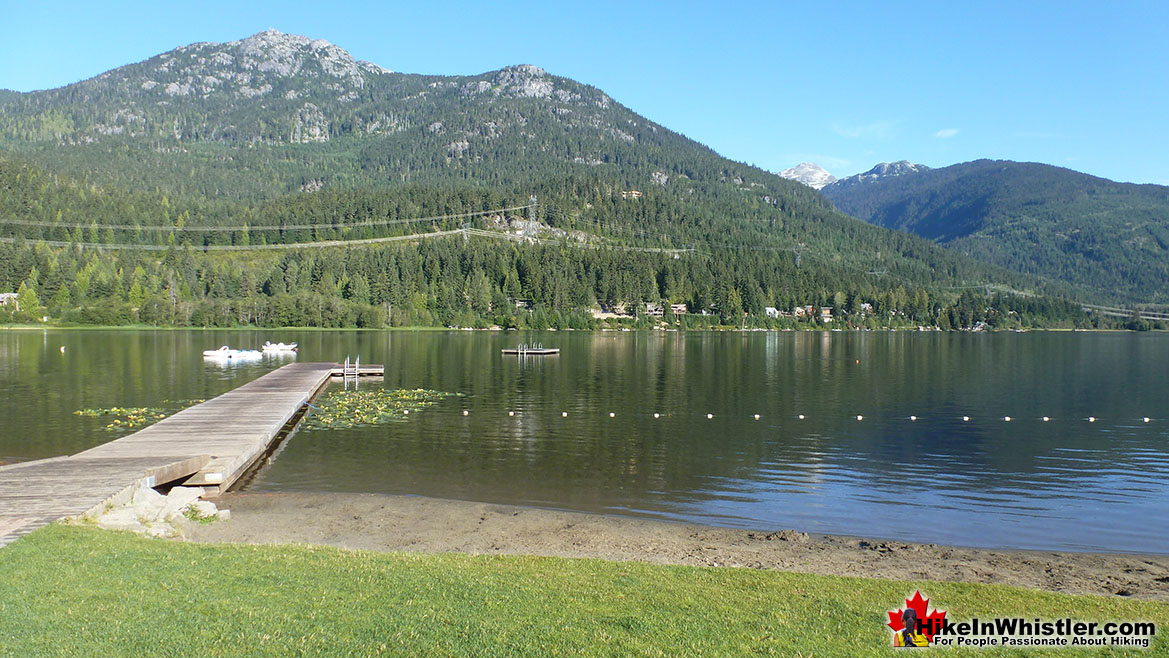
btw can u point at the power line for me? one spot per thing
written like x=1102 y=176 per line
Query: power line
x=798 y=249
x=272 y=227
x=240 y=247
x=584 y=245
x=345 y=243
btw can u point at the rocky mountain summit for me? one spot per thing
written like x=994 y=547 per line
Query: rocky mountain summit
x=276 y=88
x=223 y=104
x=878 y=172
x=255 y=65
x=810 y=174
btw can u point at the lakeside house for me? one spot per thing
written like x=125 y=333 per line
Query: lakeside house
x=825 y=314
x=7 y=298
x=771 y=312
x=659 y=310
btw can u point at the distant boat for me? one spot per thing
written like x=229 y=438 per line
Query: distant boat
x=226 y=352
x=279 y=347
x=532 y=350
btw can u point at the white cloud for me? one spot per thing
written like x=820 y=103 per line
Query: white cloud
x=946 y=133
x=876 y=129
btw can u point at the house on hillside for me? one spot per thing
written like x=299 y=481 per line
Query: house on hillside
x=679 y=309
x=771 y=312
x=631 y=194
x=825 y=314
x=802 y=311
x=7 y=298
x=654 y=310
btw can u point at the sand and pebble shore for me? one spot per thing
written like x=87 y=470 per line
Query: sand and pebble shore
x=418 y=524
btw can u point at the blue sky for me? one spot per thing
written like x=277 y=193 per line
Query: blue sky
x=1083 y=85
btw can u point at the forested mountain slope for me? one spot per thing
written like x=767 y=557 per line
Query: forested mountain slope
x=276 y=113
x=1111 y=239
x=162 y=272
x=278 y=139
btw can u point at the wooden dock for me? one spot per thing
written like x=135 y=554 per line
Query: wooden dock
x=531 y=351
x=208 y=445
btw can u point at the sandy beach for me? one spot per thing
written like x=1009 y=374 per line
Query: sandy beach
x=417 y=524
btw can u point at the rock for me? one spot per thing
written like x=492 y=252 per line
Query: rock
x=792 y=536
x=150 y=513
x=782 y=535
x=148 y=504
x=122 y=518
x=203 y=509
x=458 y=148
x=144 y=495
x=223 y=515
x=311 y=125
x=180 y=498
x=181 y=526
x=524 y=81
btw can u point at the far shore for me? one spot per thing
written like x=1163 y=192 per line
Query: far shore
x=430 y=525
x=145 y=327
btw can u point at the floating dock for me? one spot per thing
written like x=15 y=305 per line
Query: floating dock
x=209 y=445
x=532 y=351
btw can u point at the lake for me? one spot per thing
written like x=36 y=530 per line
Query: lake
x=1066 y=483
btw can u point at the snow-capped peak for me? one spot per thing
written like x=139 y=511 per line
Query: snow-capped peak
x=810 y=174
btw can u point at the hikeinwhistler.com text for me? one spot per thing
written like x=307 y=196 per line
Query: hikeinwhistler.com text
x=1019 y=632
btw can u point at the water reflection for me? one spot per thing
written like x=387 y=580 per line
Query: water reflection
x=1065 y=483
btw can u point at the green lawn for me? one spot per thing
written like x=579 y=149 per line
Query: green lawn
x=79 y=591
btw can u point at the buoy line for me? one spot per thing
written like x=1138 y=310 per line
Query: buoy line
x=858 y=417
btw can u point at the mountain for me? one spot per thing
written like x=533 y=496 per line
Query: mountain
x=881 y=171
x=1109 y=238
x=810 y=174
x=278 y=140
x=267 y=114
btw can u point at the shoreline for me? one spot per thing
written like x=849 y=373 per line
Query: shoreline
x=142 y=327
x=400 y=523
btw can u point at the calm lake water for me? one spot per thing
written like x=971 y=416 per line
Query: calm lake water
x=1063 y=484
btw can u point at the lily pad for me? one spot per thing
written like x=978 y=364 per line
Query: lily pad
x=133 y=418
x=345 y=409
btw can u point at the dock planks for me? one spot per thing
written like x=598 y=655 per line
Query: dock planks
x=209 y=445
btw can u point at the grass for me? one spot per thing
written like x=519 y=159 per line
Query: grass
x=78 y=591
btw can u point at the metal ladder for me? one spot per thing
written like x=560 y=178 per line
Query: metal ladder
x=350 y=371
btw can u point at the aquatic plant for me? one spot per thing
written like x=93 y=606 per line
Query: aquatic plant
x=132 y=418
x=345 y=409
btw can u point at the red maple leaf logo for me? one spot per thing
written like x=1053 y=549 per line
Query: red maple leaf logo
x=931 y=621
